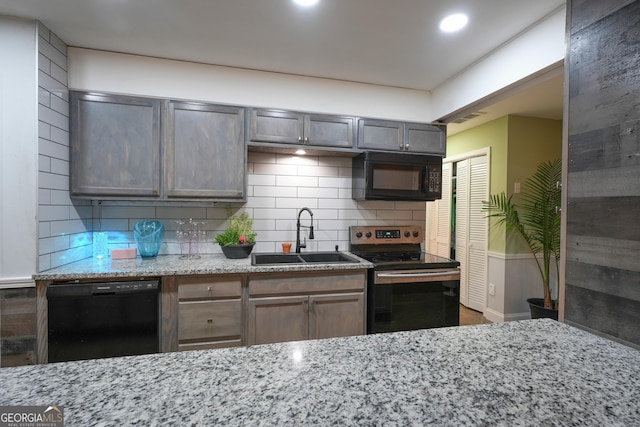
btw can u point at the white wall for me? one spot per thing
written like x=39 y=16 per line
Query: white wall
x=539 y=48
x=95 y=70
x=18 y=151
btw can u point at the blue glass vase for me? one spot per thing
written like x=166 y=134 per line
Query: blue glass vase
x=148 y=235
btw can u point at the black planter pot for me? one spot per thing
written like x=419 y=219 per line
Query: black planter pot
x=536 y=305
x=237 y=251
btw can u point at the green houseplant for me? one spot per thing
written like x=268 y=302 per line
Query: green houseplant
x=238 y=239
x=536 y=219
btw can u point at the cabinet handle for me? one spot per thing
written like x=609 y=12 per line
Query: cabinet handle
x=306 y=140
x=406 y=147
x=209 y=288
x=299 y=139
x=209 y=321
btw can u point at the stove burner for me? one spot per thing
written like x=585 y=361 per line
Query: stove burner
x=383 y=257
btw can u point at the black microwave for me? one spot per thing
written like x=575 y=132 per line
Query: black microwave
x=396 y=176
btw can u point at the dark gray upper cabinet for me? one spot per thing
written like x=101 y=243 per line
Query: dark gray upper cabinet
x=204 y=151
x=115 y=146
x=288 y=127
x=398 y=136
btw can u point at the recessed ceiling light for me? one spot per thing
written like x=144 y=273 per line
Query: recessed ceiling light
x=454 y=22
x=305 y=3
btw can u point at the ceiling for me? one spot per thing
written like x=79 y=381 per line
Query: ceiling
x=392 y=43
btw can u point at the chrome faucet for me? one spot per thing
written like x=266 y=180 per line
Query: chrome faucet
x=298 y=226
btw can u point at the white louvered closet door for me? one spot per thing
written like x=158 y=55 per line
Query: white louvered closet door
x=462 y=226
x=471 y=231
x=439 y=218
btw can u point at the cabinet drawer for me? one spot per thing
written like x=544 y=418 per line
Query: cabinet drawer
x=209 y=288
x=209 y=345
x=209 y=319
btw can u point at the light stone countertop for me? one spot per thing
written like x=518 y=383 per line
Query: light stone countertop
x=534 y=372
x=169 y=265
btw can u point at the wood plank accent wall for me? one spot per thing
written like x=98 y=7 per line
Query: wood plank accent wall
x=602 y=290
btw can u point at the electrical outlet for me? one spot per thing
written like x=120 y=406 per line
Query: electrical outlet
x=492 y=289
x=516 y=187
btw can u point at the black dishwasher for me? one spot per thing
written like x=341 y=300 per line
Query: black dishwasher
x=96 y=320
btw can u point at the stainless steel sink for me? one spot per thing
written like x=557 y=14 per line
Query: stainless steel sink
x=302 y=258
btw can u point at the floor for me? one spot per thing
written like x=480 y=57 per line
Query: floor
x=471 y=317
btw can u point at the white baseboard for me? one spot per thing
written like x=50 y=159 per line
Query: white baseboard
x=497 y=317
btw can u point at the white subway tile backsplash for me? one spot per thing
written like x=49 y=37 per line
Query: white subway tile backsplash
x=49 y=83
x=44 y=163
x=60 y=167
x=60 y=105
x=52 y=117
x=53 y=181
x=44 y=229
x=318 y=171
x=53 y=213
x=57 y=43
x=338 y=182
x=55 y=243
x=60 y=197
x=139 y=212
x=69 y=227
x=395 y=215
x=275 y=169
x=297 y=203
x=44 y=97
x=273 y=191
x=259 y=180
x=337 y=204
x=300 y=181
x=296 y=160
x=320 y=193
x=52 y=149
x=52 y=53
x=58 y=73
x=260 y=157
x=44 y=132
x=261 y=202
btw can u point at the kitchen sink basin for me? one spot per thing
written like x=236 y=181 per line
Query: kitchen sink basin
x=326 y=257
x=302 y=258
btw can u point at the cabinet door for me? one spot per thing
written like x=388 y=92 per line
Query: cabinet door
x=337 y=315
x=380 y=135
x=205 y=151
x=285 y=127
x=329 y=131
x=277 y=319
x=424 y=138
x=115 y=146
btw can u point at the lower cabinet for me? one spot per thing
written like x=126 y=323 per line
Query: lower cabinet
x=293 y=308
x=209 y=312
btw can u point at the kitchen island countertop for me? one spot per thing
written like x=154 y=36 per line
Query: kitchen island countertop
x=170 y=265
x=534 y=372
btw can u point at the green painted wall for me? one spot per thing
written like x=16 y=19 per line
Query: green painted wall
x=518 y=144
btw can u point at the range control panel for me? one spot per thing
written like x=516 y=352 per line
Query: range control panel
x=375 y=235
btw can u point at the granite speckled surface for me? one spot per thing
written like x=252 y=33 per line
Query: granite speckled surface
x=534 y=372
x=169 y=265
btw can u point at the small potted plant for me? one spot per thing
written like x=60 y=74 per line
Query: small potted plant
x=238 y=239
x=537 y=222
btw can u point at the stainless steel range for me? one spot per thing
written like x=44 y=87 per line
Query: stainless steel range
x=407 y=288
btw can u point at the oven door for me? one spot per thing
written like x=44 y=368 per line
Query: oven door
x=404 y=300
